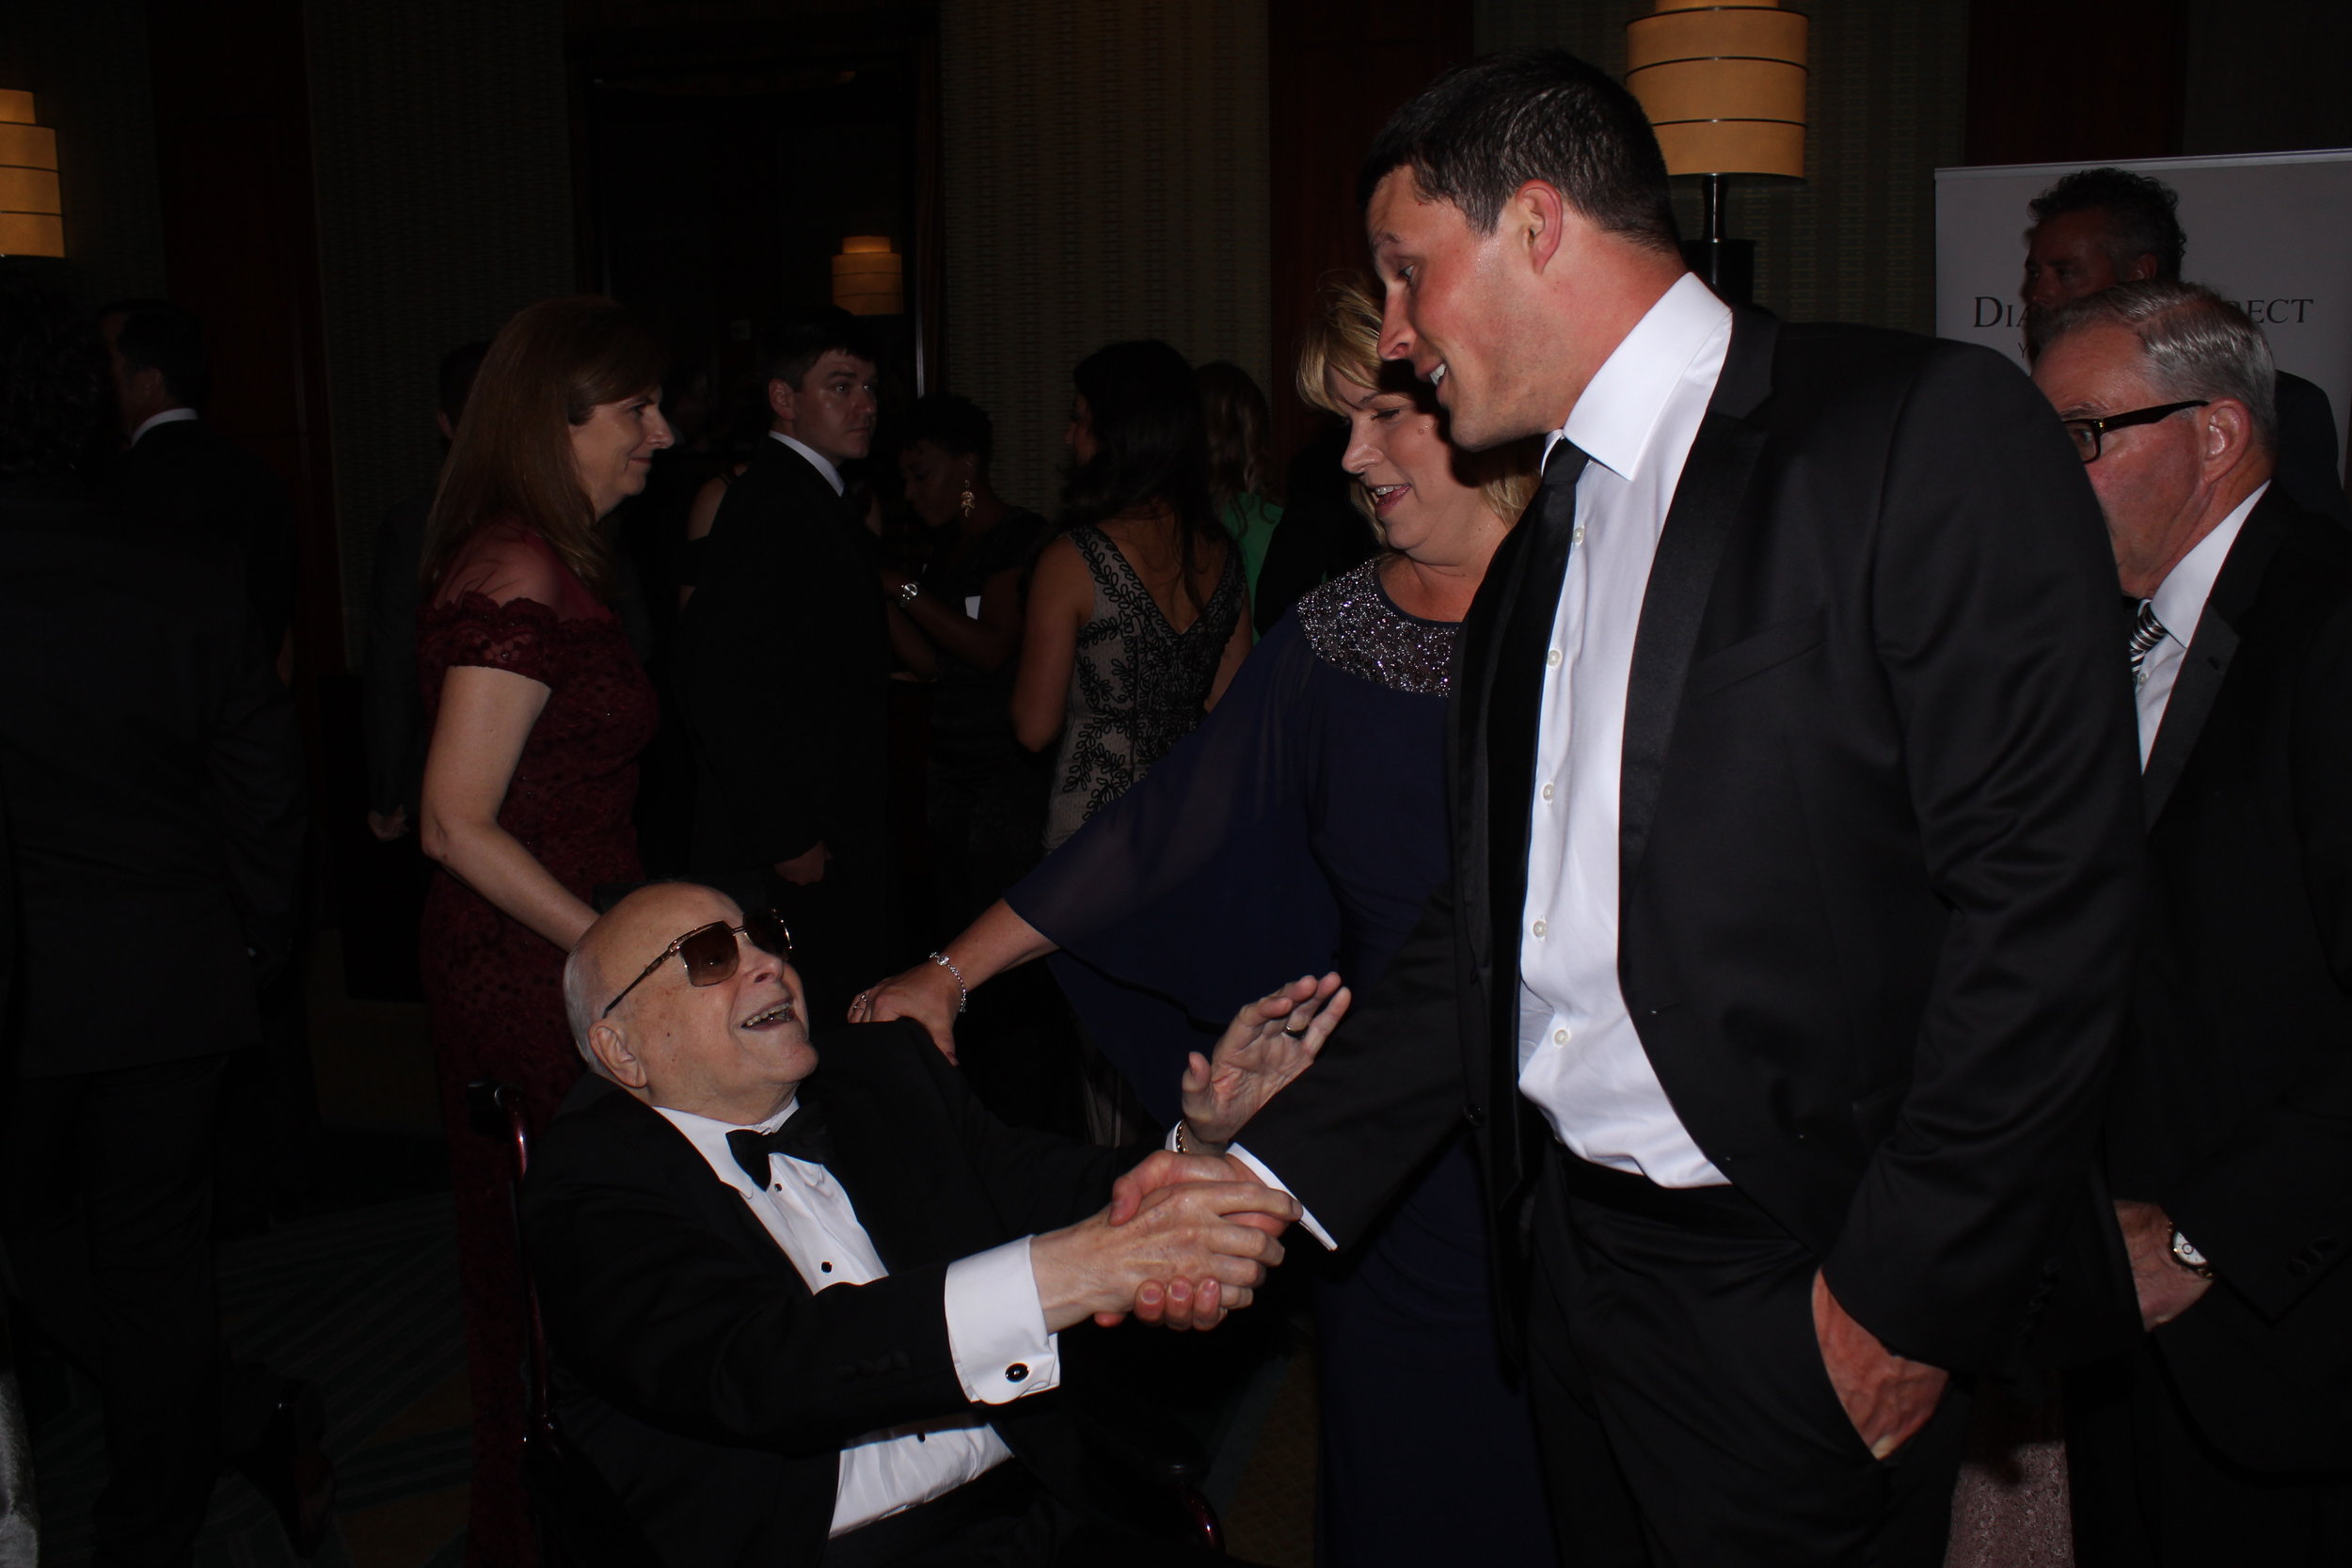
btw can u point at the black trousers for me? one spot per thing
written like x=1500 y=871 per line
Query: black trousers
x=107 y=1224
x=1006 y=1520
x=2149 y=1492
x=1685 y=1414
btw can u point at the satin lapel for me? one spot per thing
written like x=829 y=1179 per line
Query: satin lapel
x=2206 y=663
x=1706 y=506
x=890 y=1185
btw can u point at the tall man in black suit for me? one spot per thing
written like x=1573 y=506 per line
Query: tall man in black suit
x=153 y=782
x=782 y=667
x=1795 y=837
x=2226 y=1435
x=804 y=1302
x=2100 y=227
x=182 y=475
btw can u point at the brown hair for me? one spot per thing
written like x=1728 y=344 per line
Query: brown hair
x=511 y=460
x=1342 y=339
x=1241 y=428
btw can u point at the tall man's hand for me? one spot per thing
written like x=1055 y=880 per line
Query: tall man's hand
x=2165 y=1288
x=1213 y=1238
x=1888 y=1398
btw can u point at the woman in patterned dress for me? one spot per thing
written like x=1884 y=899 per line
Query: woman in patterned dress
x=1137 y=613
x=1304 y=823
x=538 y=709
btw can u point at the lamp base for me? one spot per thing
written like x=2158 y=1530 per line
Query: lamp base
x=1725 y=266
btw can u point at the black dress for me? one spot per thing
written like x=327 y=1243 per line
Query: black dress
x=1301 y=828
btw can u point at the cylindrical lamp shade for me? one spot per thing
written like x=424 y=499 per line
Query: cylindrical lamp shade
x=1723 y=85
x=31 y=223
x=869 y=280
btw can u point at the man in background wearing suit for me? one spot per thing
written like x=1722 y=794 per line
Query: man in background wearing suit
x=803 y=1301
x=1793 y=869
x=2226 y=1435
x=180 y=473
x=152 y=781
x=2101 y=227
x=782 y=667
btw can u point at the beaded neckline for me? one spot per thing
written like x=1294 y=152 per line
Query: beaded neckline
x=1353 y=624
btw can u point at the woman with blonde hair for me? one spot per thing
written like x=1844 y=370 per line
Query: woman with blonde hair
x=537 y=708
x=1304 y=823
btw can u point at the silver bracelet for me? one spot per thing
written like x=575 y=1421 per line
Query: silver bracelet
x=963 y=993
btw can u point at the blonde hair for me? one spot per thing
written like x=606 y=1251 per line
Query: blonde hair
x=1342 y=340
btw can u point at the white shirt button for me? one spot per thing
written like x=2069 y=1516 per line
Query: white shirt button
x=1559 y=1037
x=1577 y=536
x=1552 y=658
x=1547 y=792
x=1539 y=927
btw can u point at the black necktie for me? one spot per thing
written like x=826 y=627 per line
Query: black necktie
x=803 y=1137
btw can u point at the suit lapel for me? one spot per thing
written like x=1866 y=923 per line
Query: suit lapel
x=2206 y=663
x=1706 y=506
x=892 y=1185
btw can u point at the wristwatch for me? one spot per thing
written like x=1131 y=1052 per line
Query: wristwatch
x=909 y=591
x=2188 y=1257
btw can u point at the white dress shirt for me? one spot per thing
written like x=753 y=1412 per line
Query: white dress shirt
x=823 y=464
x=995 y=1326
x=169 y=416
x=2180 y=604
x=1579 y=1059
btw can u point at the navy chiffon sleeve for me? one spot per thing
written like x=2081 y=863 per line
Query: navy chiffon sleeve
x=1196 y=891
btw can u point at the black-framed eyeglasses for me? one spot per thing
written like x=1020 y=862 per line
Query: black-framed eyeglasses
x=710 y=954
x=2087 y=434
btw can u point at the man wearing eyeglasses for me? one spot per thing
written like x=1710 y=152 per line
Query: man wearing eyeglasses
x=814 y=1313
x=2227 y=1435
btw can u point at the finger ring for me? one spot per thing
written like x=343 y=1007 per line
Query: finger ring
x=1295 y=1034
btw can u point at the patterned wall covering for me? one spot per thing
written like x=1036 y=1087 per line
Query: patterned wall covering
x=1855 y=242
x=85 y=65
x=1106 y=178
x=443 y=149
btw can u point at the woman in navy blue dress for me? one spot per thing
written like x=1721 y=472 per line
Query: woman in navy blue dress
x=1301 y=828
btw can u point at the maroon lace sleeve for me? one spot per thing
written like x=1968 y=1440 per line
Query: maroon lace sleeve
x=521 y=635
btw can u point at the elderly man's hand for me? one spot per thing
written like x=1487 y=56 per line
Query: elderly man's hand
x=2165 y=1288
x=1270 y=1041
x=1218 y=1238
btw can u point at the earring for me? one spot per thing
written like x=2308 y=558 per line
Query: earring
x=970 y=502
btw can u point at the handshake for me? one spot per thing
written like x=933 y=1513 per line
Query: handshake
x=1188 y=1237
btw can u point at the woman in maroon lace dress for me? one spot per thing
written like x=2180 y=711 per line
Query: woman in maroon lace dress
x=538 y=709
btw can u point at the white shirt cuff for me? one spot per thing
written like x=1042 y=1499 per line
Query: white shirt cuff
x=996 y=1328
x=1314 y=1226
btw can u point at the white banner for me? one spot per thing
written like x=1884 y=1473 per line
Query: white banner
x=2271 y=230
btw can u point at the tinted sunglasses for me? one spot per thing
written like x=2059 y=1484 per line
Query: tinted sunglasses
x=710 y=954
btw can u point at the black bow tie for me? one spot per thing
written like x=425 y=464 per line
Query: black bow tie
x=803 y=1137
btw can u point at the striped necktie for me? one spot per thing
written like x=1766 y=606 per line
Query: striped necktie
x=2146 y=631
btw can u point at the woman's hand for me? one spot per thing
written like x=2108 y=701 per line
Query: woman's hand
x=1270 y=1041
x=926 y=993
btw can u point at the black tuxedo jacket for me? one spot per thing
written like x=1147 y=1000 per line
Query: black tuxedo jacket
x=154 y=781
x=705 y=1380
x=187 y=475
x=1877 y=847
x=2233 y=1095
x=782 y=669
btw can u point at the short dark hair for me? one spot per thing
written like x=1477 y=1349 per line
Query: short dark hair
x=53 y=380
x=955 y=425
x=157 y=335
x=1483 y=130
x=454 y=378
x=790 y=349
x=2142 y=214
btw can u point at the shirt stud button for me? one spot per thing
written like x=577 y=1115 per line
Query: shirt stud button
x=1552 y=658
x=1559 y=1037
x=1017 y=1372
x=1539 y=927
x=1547 y=792
x=826 y=1267
x=1577 y=536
